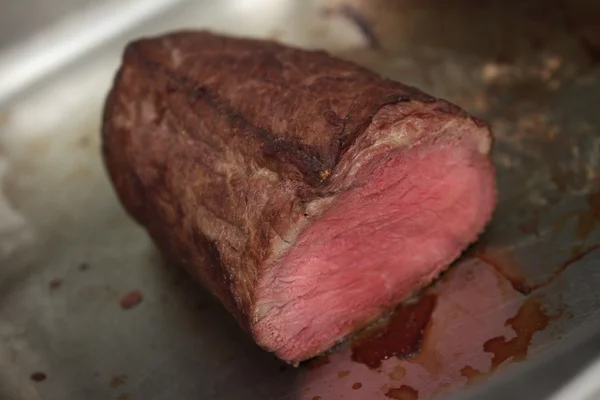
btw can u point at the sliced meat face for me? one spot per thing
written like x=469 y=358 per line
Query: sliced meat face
x=413 y=207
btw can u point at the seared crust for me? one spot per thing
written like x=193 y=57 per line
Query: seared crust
x=217 y=145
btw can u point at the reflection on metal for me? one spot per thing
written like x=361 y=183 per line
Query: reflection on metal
x=64 y=43
x=584 y=387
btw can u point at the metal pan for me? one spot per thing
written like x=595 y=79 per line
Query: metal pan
x=89 y=309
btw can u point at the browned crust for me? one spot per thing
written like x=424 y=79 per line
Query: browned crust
x=198 y=126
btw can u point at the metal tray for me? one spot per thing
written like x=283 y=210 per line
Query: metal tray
x=516 y=316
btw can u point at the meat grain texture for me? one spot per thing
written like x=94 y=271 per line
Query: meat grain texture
x=308 y=194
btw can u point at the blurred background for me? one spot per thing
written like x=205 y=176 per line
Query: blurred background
x=20 y=19
x=531 y=68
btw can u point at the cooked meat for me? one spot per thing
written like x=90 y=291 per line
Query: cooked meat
x=308 y=194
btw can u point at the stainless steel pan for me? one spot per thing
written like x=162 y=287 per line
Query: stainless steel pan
x=516 y=316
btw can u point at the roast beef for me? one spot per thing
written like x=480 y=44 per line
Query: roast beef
x=308 y=194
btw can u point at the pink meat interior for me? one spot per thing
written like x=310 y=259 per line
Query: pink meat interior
x=377 y=245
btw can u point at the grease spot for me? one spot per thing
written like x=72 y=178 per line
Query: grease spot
x=131 y=300
x=357 y=385
x=54 y=284
x=117 y=381
x=84 y=141
x=343 y=374
x=398 y=373
x=38 y=376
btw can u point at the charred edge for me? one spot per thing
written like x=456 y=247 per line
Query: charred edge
x=413 y=93
x=351 y=132
x=299 y=156
x=449 y=108
x=480 y=123
x=214 y=257
x=219 y=277
x=333 y=119
x=303 y=157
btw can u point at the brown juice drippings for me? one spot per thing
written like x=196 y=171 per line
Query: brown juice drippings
x=507 y=267
x=402 y=393
x=400 y=337
x=318 y=361
x=504 y=263
x=343 y=374
x=529 y=320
